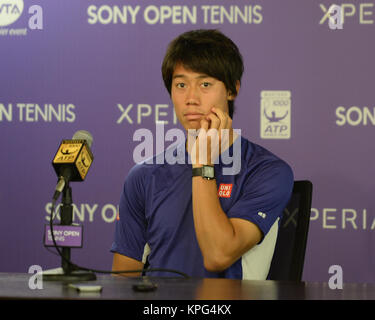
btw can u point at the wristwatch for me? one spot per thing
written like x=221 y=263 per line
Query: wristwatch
x=206 y=172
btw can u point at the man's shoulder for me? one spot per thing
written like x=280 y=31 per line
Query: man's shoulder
x=258 y=158
x=144 y=168
x=158 y=165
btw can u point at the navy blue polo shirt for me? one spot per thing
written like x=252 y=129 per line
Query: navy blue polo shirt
x=155 y=210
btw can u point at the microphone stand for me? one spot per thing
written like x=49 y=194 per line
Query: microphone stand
x=66 y=215
x=69 y=272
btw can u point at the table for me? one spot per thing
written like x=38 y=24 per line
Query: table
x=16 y=286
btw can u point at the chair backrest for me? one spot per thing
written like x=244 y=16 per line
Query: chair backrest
x=289 y=255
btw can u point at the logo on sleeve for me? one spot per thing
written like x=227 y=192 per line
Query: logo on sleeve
x=225 y=190
x=261 y=214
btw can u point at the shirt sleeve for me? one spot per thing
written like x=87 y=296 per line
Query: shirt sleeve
x=130 y=230
x=264 y=196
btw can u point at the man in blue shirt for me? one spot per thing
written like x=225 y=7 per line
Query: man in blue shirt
x=190 y=216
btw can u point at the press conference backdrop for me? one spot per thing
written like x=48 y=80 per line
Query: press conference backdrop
x=307 y=94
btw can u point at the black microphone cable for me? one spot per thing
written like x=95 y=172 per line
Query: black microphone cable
x=68 y=171
x=77 y=267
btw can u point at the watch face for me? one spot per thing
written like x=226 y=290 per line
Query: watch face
x=208 y=172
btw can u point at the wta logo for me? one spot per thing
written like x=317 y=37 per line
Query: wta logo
x=10 y=11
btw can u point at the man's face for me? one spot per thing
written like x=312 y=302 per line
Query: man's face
x=194 y=94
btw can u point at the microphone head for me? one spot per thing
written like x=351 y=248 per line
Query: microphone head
x=83 y=135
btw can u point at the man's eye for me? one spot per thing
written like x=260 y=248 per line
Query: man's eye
x=180 y=85
x=205 y=84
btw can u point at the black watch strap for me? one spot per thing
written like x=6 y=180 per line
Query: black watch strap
x=206 y=172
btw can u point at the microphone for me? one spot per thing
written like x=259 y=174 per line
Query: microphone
x=73 y=160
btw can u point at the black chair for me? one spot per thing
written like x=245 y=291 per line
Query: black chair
x=289 y=256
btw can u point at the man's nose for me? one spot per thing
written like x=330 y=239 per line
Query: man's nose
x=192 y=95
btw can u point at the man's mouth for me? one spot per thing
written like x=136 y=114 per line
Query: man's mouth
x=191 y=116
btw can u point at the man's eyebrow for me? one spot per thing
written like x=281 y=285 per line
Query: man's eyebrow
x=201 y=76
x=178 y=76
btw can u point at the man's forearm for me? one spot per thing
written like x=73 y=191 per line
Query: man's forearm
x=215 y=232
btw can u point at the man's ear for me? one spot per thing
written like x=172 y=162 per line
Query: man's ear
x=232 y=96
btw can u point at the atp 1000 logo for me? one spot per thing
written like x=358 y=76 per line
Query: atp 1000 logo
x=11 y=11
x=275 y=109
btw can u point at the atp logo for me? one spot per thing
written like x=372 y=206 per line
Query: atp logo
x=67 y=151
x=275 y=108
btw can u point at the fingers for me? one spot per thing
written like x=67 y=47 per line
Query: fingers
x=205 y=124
x=224 y=118
x=224 y=128
x=199 y=151
x=219 y=119
x=215 y=121
x=207 y=146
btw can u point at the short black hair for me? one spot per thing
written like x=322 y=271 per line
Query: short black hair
x=206 y=51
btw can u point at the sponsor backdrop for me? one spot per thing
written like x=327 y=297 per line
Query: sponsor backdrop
x=307 y=95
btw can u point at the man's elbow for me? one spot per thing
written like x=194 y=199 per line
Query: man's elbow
x=216 y=263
